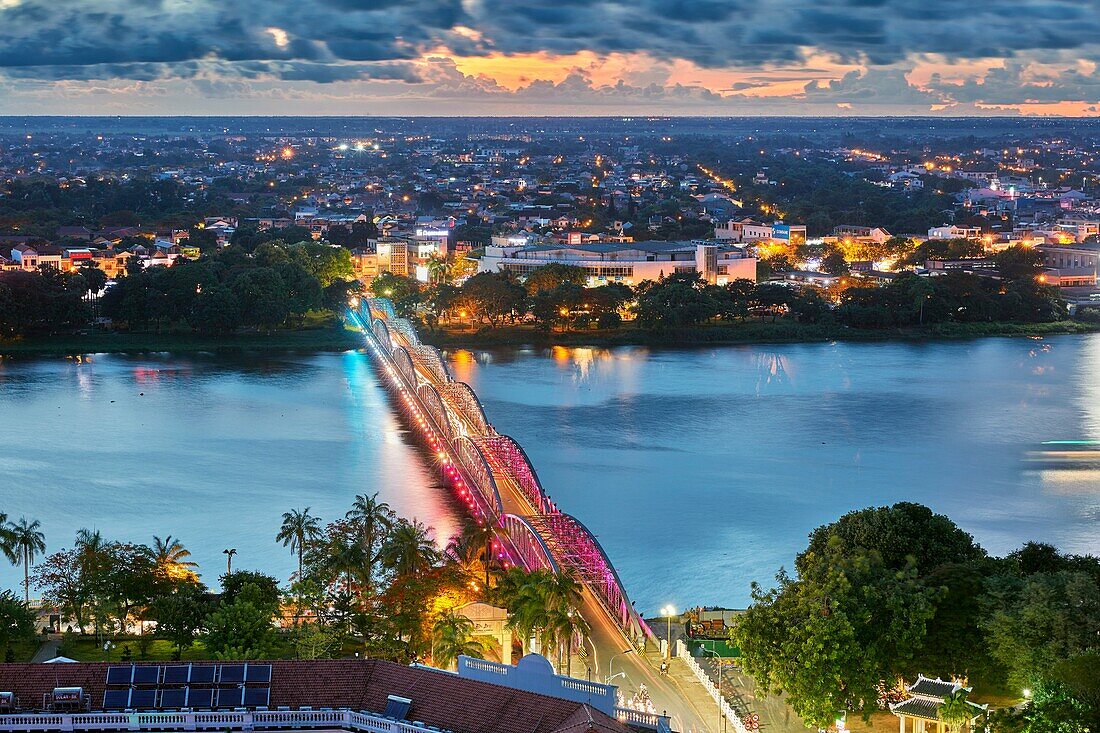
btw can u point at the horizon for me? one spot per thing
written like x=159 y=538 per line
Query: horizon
x=539 y=58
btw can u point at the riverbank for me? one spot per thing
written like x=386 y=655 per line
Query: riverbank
x=335 y=338
x=749 y=332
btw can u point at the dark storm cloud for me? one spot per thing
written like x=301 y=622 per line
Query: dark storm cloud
x=59 y=38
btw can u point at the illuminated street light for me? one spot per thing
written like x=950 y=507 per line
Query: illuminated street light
x=668 y=612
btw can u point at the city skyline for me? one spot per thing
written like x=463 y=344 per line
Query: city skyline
x=584 y=57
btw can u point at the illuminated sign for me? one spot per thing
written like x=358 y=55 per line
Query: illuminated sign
x=432 y=232
x=574 y=237
x=781 y=231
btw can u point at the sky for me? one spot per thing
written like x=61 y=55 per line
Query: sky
x=550 y=57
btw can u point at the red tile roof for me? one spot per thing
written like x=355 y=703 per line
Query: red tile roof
x=438 y=698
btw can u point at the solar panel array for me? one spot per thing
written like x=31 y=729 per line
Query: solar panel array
x=197 y=686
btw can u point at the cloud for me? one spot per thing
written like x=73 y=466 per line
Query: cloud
x=1036 y=45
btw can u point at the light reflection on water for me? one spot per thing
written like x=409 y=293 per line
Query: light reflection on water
x=211 y=450
x=701 y=470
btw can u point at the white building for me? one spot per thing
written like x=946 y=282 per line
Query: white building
x=625 y=262
x=954 y=232
x=749 y=230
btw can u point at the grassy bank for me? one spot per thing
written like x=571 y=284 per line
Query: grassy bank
x=315 y=339
x=749 y=332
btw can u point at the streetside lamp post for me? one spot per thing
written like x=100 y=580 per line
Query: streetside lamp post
x=611 y=664
x=668 y=612
x=229 y=553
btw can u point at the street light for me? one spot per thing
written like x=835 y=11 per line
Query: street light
x=229 y=553
x=668 y=612
x=611 y=664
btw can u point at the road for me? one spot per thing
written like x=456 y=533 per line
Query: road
x=606 y=638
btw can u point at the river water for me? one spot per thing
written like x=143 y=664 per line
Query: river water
x=698 y=470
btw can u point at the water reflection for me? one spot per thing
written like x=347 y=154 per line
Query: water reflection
x=206 y=448
x=702 y=470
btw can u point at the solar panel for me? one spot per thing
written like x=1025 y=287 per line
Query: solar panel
x=230 y=697
x=119 y=675
x=146 y=675
x=173 y=698
x=256 y=696
x=202 y=674
x=397 y=707
x=116 y=699
x=176 y=674
x=258 y=673
x=143 y=699
x=200 y=698
x=232 y=674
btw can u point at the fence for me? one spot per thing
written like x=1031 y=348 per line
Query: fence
x=712 y=689
x=220 y=721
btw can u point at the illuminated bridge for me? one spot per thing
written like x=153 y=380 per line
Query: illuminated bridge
x=492 y=475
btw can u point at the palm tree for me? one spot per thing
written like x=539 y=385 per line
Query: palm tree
x=299 y=529
x=473 y=549
x=956 y=712
x=374 y=520
x=26 y=540
x=452 y=637
x=410 y=550
x=170 y=557
x=540 y=601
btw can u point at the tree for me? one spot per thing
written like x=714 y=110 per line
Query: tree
x=180 y=615
x=410 y=550
x=27 y=541
x=1041 y=619
x=452 y=637
x=676 y=301
x=217 y=311
x=1019 y=262
x=16 y=620
x=171 y=560
x=299 y=529
x=263 y=297
x=834 y=264
x=898 y=533
x=64 y=579
x=266 y=586
x=243 y=627
x=373 y=520
x=493 y=296
x=828 y=638
x=548 y=277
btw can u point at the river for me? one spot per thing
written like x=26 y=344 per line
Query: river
x=698 y=470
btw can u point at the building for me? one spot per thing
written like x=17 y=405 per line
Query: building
x=624 y=262
x=409 y=256
x=750 y=230
x=925 y=698
x=354 y=694
x=954 y=232
x=1070 y=265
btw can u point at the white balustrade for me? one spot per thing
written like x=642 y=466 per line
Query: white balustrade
x=213 y=720
x=712 y=689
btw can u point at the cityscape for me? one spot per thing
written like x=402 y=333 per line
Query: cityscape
x=510 y=368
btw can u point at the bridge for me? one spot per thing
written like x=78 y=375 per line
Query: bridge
x=492 y=476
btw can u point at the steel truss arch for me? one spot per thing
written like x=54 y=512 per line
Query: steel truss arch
x=403 y=362
x=477 y=469
x=532 y=552
x=434 y=405
x=512 y=457
x=466 y=402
